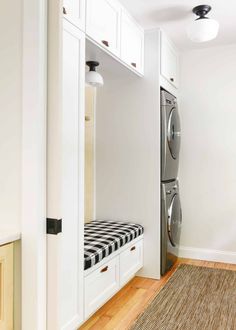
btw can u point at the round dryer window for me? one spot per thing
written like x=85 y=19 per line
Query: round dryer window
x=174 y=220
x=173 y=135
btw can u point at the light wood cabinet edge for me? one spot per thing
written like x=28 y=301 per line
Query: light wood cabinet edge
x=6 y=287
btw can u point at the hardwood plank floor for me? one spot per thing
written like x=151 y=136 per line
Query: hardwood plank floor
x=122 y=310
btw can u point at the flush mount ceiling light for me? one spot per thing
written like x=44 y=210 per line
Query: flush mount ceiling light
x=203 y=28
x=92 y=77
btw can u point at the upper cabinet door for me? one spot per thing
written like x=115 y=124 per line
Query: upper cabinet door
x=132 y=42
x=103 y=23
x=74 y=12
x=169 y=61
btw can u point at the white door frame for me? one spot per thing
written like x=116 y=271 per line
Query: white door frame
x=34 y=81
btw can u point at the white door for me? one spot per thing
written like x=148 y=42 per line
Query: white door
x=74 y=12
x=103 y=23
x=65 y=250
x=132 y=43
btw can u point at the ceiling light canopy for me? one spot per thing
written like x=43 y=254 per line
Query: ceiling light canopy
x=203 y=28
x=92 y=77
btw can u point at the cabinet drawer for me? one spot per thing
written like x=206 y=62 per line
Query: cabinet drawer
x=132 y=43
x=101 y=285
x=169 y=61
x=131 y=260
x=103 y=23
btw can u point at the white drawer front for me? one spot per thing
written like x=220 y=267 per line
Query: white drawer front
x=101 y=285
x=131 y=260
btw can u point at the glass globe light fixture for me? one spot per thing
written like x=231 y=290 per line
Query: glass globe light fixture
x=92 y=77
x=203 y=28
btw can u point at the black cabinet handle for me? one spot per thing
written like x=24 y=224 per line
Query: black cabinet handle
x=104 y=269
x=64 y=11
x=172 y=79
x=134 y=64
x=105 y=42
x=133 y=248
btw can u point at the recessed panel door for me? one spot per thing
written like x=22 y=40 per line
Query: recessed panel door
x=103 y=23
x=66 y=188
x=74 y=12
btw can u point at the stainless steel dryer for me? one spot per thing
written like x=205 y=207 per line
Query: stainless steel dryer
x=171 y=219
x=170 y=137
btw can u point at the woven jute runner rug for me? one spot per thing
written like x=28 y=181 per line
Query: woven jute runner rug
x=194 y=298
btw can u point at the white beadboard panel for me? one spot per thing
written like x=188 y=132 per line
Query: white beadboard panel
x=128 y=151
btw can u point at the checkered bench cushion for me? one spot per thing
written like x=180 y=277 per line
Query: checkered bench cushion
x=101 y=238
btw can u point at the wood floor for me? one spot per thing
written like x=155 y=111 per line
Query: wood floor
x=120 y=312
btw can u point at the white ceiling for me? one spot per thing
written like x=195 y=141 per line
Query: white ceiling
x=174 y=15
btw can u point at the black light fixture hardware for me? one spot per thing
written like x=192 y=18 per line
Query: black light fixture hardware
x=92 y=65
x=201 y=11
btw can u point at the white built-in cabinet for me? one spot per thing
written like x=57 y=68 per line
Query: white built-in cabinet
x=71 y=267
x=74 y=12
x=169 y=61
x=65 y=176
x=109 y=25
x=132 y=42
x=103 y=23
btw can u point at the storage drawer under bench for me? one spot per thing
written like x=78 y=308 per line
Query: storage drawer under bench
x=101 y=285
x=104 y=281
x=131 y=260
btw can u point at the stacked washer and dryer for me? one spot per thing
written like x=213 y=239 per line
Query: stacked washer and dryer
x=171 y=214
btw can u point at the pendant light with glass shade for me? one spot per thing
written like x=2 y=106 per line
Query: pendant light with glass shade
x=92 y=77
x=203 y=28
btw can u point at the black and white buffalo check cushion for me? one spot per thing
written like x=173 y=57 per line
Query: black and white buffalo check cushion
x=101 y=238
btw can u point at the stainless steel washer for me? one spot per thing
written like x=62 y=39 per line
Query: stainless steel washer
x=170 y=137
x=171 y=219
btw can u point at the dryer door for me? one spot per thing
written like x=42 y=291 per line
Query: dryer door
x=174 y=220
x=173 y=135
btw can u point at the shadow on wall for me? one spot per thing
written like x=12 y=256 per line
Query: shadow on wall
x=170 y=14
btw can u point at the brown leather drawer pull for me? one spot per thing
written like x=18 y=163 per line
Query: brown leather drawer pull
x=105 y=269
x=105 y=42
x=133 y=248
x=134 y=65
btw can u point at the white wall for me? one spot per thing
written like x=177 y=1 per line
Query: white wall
x=10 y=112
x=128 y=150
x=208 y=153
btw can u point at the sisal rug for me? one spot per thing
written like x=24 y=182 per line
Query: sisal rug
x=194 y=298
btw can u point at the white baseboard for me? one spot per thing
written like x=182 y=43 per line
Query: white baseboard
x=207 y=255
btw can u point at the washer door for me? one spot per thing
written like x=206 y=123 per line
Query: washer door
x=174 y=220
x=173 y=135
